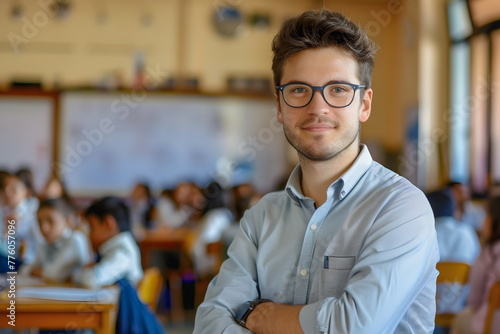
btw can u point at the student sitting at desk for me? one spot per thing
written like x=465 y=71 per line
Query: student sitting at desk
x=64 y=249
x=118 y=253
x=19 y=213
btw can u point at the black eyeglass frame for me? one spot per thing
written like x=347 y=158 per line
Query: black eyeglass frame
x=322 y=90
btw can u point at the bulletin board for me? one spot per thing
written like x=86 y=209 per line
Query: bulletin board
x=26 y=134
x=110 y=141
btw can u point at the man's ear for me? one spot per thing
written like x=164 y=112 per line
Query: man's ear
x=366 y=105
x=279 y=115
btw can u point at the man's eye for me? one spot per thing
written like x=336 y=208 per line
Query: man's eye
x=299 y=90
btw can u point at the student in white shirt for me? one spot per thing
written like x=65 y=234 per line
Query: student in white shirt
x=467 y=211
x=118 y=253
x=63 y=250
x=215 y=219
x=17 y=210
x=142 y=210
x=457 y=242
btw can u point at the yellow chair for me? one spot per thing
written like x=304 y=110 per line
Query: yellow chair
x=150 y=286
x=493 y=305
x=450 y=272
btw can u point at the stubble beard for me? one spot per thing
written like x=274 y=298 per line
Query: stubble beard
x=331 y=151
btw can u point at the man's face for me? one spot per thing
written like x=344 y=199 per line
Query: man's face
x=319 y=131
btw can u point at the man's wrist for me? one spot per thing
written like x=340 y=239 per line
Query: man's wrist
x=244 y=311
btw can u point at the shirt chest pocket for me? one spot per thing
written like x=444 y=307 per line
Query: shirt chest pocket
x=335 y=273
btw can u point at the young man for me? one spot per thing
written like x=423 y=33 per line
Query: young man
x=349 y=246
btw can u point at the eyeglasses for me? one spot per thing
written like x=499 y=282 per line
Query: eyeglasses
x=337 y=95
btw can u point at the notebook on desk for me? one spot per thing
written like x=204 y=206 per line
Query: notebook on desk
x=65 y=293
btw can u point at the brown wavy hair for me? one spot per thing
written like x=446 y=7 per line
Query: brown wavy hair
x=323 y=28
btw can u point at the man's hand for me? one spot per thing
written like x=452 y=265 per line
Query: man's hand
x=274 y=318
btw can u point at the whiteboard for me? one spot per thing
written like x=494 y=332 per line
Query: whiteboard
x=26 y=136
x=110 y=141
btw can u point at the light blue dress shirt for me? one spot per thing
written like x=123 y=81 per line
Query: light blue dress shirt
x=363 y=262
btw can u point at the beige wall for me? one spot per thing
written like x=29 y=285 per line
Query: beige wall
x=100 y=39
x=383 y=22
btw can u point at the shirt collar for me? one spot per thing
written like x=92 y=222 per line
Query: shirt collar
x=112 y=242
x=293 y=188
x=344 y=184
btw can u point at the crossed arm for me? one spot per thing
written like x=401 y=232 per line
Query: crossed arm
x=275 y=318
x=396 y=264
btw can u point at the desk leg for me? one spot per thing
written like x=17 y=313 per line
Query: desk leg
x=145 y=254
x=108 y=323
x=175 y=285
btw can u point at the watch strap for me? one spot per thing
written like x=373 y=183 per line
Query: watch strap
x=242 y=320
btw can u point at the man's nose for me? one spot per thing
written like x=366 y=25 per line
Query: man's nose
x=318 y=104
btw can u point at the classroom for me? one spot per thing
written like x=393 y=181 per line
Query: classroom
x=175 y=152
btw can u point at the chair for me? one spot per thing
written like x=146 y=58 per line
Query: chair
x=216 y=251
x=493 y=305
x=150 y=286
x=450 y=272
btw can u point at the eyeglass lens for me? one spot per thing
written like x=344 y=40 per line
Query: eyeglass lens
x=337 y=95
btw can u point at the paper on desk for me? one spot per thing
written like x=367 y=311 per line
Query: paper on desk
x=63 y=293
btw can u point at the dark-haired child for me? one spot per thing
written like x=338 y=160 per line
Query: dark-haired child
x=19 y=213
x=64 y=250
x=118 y=255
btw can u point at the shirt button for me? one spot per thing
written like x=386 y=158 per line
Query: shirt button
x=303 y=272
x=342 y=193
x=314 y=227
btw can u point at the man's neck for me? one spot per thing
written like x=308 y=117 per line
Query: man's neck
x=317 y=176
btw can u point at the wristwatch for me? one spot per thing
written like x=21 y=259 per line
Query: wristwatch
x=244 y=311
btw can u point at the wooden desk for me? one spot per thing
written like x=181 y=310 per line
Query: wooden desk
x=165 y=240
x=57 y=314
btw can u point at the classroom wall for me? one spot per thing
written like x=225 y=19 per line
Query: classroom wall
x=97 y=40
x=101 y=39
